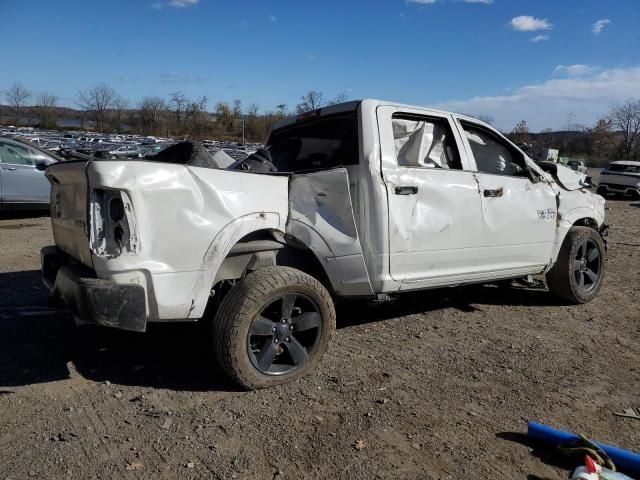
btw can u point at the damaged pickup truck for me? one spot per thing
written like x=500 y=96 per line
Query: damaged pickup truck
x=365 y=199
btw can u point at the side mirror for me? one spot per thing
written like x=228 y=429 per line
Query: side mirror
x=41 y=165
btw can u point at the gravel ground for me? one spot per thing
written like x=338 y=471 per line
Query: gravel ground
x=436 y=385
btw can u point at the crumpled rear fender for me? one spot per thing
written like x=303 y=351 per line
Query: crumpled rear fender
x=220 y=247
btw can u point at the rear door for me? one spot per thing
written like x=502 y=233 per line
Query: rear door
x=321 y=215
x=435 y=216
x=21 y=181
x=519 y=211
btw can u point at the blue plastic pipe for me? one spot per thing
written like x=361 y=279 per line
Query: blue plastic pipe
x=624 y=460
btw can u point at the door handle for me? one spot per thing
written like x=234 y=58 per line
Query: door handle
x=407 y=190
x=494 y=193
x=9 y=168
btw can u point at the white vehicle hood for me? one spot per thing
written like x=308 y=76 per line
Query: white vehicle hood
x=570 y=179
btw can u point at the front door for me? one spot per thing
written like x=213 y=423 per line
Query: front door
x=435 y=217
x=519 y=209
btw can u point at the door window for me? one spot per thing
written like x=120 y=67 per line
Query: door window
x=424 y=142
x=492 y=154
x=16 y=155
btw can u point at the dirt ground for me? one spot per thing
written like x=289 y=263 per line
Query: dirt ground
x=436 y=385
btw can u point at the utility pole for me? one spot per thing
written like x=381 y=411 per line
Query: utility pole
x=243 y=142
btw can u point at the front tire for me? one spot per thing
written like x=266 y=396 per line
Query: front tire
x=579 y=270
x=273 y=327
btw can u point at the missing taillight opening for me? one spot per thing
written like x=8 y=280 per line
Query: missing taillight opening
x=116 y=209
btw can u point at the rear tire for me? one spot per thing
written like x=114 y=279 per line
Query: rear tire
x=602 y=192
x=273 y=327
x=579 y=270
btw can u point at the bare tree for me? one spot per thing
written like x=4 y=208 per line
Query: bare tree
x=179 y=102
x=17 y=96
x=236 y=113
x=252 y=125
x=223 y=118
x=626 y=119
x=281 y=110
x=152 y=112
x=198 y=116
x=340 y=98
x=46 y=103
x=520 y=133
x=98 y=101
x=311 y=100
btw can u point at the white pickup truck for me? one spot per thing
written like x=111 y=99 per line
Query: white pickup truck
x=365 y=199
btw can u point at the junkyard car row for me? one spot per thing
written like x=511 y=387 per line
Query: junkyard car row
x=26 y=152
x=364 y=199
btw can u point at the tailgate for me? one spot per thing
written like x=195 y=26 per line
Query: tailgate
x=69 y=209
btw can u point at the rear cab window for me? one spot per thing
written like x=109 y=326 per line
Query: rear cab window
x=316 y=144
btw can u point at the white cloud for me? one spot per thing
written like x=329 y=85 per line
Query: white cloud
x=599 y=26
x=431 y=2
x=576 y=70
x=182 y=3
x=527 y=23
x=547 y=104
x=273 y=18
x=540 y=38
x=175 y=4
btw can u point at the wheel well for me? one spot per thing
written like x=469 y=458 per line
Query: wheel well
x=264 y=248
x=586 y=222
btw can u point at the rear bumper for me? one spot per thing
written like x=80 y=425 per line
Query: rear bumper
x=93 y=300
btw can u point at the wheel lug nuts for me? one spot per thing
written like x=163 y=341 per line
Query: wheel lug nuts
x=275 y=340
x=290 y=327
x=287 y=339
x=283 y=321
x=273 y=329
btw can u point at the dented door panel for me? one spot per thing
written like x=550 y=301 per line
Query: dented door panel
x=519 y=225
x=434 y=218
x=321 y=216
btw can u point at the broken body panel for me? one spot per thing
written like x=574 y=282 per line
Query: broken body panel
x=374 y=226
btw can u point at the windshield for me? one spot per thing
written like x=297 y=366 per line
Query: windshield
x=324 y=143
x=616 y=167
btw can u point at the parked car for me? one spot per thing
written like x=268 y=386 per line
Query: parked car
x=577 y=165
x=150 y=150
x=622 y=177
x=365 y=199
x=126 y=151
x=23 y=184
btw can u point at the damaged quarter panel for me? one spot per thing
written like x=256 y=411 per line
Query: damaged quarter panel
x=183 y=220
x=321 y=217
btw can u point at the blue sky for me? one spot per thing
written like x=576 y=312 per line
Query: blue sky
x=538 y=60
